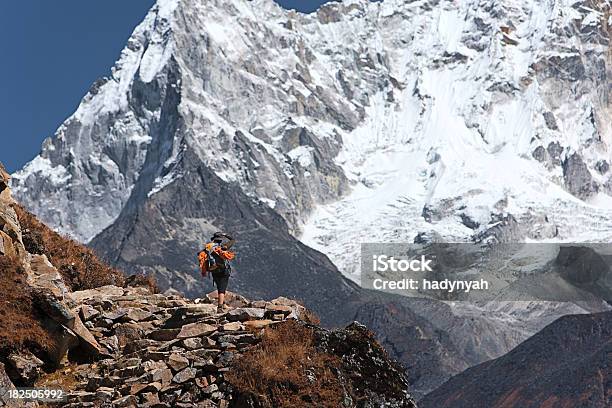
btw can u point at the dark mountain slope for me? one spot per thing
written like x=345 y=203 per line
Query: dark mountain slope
x=567 y=364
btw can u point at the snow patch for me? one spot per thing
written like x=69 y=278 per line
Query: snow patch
x=56 y=175
x=162 y=182
x=302 y=155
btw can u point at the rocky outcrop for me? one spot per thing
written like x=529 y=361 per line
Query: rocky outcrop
x=347 y=367
x=167 y=351
x=4 y=183
x=578 y=179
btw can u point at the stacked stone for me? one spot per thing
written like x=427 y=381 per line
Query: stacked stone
x=163 y=350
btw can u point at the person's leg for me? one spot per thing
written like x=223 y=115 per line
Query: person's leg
x=220 y=298
x=222 y=281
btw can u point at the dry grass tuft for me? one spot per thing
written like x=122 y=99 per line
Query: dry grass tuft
x=286 y=370
x=310 y=317
x=20 y=323
x=79 y=266
x=147 y=281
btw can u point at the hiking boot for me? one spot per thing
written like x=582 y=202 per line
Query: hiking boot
x=222 y=308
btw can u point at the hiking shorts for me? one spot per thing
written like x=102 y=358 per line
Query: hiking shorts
x=221 y=280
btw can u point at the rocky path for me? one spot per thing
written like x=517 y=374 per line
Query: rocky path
x=163 y=351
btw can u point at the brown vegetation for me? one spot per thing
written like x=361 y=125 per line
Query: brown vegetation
x=286 y=370
x=20 y=325
x=147 y=281
x=78 y=265
x=310 y=317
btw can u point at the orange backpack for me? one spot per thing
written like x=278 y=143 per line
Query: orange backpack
x=214 y=257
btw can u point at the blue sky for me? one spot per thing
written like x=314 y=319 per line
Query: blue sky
x=51 y=52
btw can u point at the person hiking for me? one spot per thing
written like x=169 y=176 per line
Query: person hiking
x=215 y=259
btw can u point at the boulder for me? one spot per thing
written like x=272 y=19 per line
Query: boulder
x=257 y=324
x=110 y=343
x=5 y=385
x=259 y=304
x=128 y=401
x=137 y=388
x=233 y=326
x=245 y=313
x=180 y=316
x=149 y=399
x=193 y=343
x=88 y=312
x=277 y=308
x=185 y=375
x=82 y=397
x=177 y=362
x=164 y=334
x=55 y=307
x=162 y=375
x=578 y=179
x=170 y=345
x=115 y=314
x=210 y=389
x=154 y=365
x=138 y=315
x=59 y=311
x=6 y=245
x=98 y=294
x=225 y=358
x=130 y=362
x=198 y=309
x=6 y=196
x=201 y=382
x=196 y=330
x=156 y=355
x=86 y=339
x=42 y=274
x=26 y=366
x=104 y=394
x=231 y=299
x=284 y=302
x=64 y=340
x=9 y=223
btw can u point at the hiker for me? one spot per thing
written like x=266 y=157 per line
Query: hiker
x=215 y=259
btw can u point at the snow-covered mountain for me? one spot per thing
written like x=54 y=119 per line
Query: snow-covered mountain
x=386 y=118
x=361 y=122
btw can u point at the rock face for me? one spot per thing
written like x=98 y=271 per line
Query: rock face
x=566 y=364
x=381 y=381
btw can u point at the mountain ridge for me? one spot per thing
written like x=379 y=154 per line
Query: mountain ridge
x=575 y=374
